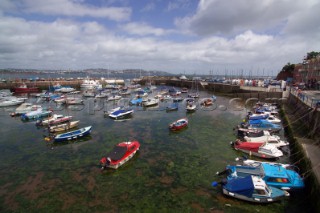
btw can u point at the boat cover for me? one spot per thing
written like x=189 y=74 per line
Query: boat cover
x=242 y=186
x=255 y=134
x=117 y=153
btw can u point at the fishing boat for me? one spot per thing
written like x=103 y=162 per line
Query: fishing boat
x=258 y=149
x=73 y=134
x=23 y=88
x=33 y=115
x=54 y=120
x=273 y=174
x=121 y=113
x=64 y=126
x=252 y=189
x=120 y=154
x=178 y=124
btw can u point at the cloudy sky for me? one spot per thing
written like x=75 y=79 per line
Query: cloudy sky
x=177 y=36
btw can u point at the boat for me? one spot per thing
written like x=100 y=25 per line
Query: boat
x=120 y=154
x=33 y=115
x=23 y=88
x=12 y=101
x=177 y=99
x=54 y=120
x=191 y=107
x=258 y=149
x=74 y=101
x=252 y=189
x=273 y=119
x=150 y=102
x=63 y=127
x=113 y=110
x=121 y=113
x=172 y=107
x=264 y=125
x=136 y=101
x=88 y=84
x=65 y=89
x=73 y=134
x=273 y=174
x=257 y=116
x=184 y=90
x=24 y=108
x=270 y=139
x=88 y=93
x=207 y=102
x=178 y=124
x=114 y=98
x=242 y=132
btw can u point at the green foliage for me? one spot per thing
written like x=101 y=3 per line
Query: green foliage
x=312 y=54
x=288 y=68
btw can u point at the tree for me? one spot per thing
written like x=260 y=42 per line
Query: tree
x=288 y=68
x=312 y=54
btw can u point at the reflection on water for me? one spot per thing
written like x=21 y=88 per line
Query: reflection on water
x=172 y=172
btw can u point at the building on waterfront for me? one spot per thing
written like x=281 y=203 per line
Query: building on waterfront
x=308 y=73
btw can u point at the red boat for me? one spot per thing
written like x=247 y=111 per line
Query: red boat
x=23 y=88
x=120 y=154
x=178 y=124
x=259 y=149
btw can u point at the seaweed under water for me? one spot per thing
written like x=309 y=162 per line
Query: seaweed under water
x=172 y=172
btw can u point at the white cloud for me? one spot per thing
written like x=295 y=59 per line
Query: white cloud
x=149 y=7
x=143 y=29
x=75 y=8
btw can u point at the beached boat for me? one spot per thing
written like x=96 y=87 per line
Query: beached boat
x=262 y=150
x=73 y=134
x=272 y=139
x=121 y=113
x=272 y=173
x=120 y=154
x=252 y=189
x=178 y=124
x=64 y=126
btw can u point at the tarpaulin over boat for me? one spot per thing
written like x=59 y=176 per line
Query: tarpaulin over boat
x=242 y=186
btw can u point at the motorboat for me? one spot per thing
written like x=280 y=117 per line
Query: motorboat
x=272 y=139
x=114 y=98
x=273 y=119
x=24 y=108
x=36 y=114
x=11 y=102
x=207 y=102
x=136 y=101
x=273 y=174
x=121 y=113
x=257 y=116
x=120 y=154
x=264 y=125
x=73 y=134
x=252 y=189
x=74 y=101
x=258 y=149
x=178 y=124
x=150 y=102
x=191 y=107
x=108 y=112
x=172 y=107
x=54 y=120
x=63 y=127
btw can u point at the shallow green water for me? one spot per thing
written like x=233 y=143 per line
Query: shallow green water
x=171 y=173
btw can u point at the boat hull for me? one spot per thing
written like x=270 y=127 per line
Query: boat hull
x=73 y=135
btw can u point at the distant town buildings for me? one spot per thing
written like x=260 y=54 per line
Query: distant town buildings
x=308 y=73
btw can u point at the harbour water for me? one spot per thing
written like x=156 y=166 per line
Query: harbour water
x=172 y=172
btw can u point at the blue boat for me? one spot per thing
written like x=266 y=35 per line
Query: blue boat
x=258 y=116
x=252 y=189
x=136 y=101
x=264 y=125
x=73 y=134
x=121 y=113
x=172 y=107
x=37 y=114
x=273 y=174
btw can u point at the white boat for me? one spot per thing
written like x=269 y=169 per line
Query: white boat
x=113 y=110
x=114 y=98
x=273 y=119
x=12 y=101
x=102 y=95
x=90 y=84
x=121 y=113
x=263 y=150
x=150 y=102
x=65 y=89
x=274 y=140
x=88 y=93
x=25 y=108
x=55 y=119
x=74 y=101
x=64 y=127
